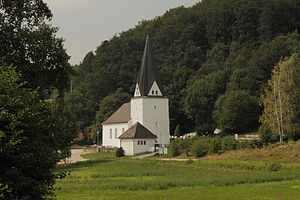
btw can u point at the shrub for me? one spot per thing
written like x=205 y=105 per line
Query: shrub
x=199 y=148
x=266 y=134
x=274 y=167
x=120 y=152
x=188 y=162
x=229 y=143
x=174 y=149
x=185 y=145
x=214 y=145
x=243 y=144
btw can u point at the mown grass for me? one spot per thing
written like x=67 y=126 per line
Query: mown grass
x=108 y=177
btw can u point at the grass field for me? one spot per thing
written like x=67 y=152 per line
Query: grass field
x=108 y=177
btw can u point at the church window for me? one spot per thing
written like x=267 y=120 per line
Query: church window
x=154 y=107
x=145 y=142
x=138 y=142
x=156 y=92
x=110 y=133
x=116 y=133
x=152 y=91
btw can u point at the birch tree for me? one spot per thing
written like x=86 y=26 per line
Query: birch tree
x=281 y=99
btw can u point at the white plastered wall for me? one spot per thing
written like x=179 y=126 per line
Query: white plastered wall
x=114 y=141
x=127 y=145
x=141 y=148
x=155 y=91
x=137 y=91
x=153 y=113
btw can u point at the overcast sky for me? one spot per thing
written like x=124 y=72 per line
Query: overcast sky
x=84 y=24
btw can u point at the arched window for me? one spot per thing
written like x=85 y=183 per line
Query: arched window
x=152 y=91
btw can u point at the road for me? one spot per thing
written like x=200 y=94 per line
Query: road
x=75 y=156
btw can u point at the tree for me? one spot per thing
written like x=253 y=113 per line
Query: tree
x=237 y=36
x=32 y=140
x=281 y=99
x=201 y=97
x=236 y=111
x=83 y=108
x=111 y=103
x=30 y=44
x=178 y=131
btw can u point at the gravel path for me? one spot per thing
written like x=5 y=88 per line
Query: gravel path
x=75 y=156
x=145 y=155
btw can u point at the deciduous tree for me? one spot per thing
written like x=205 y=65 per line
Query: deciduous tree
x=281 y=99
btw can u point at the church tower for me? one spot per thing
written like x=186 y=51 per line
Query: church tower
x=149 y=106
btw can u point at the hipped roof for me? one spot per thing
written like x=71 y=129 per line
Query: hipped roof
x=137 y=131
x=149 y=71
x=122 y=115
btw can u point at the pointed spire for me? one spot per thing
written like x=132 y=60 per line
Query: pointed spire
x=149 y=73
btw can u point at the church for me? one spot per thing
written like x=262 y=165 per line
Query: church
x=143 y=123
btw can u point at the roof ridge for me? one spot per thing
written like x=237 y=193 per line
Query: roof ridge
x=137 y=131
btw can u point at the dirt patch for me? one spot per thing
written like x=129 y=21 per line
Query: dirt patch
x=202 y=167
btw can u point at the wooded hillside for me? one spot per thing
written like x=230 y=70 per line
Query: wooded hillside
x=217 y=48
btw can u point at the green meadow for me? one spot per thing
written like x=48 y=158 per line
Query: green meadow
x=106 y=177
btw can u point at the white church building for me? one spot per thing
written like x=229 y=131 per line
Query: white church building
x=143 y=123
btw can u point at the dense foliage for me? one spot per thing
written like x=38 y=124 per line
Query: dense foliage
x=203 y=52
x=34 y=136
x=236 y=111
x=200 y=147
x=30 y=44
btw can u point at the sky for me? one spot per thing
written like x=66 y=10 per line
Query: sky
x=84 y=24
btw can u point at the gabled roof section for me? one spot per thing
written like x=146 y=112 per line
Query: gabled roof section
x=137 y=131
x=122 y=115
x=149 y=71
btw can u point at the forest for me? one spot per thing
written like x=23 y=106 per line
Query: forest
x=215 y=61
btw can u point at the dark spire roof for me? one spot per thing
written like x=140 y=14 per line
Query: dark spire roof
x=149 y=72
x=137 y=131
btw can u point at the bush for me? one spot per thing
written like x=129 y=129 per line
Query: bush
x=215 y=145
x=200 y=148
x=188 y=162
x=120 y=152
x=185 y=145
x=275 y=167
x=266 y=135
x=229 y=143
x=174 y=149
x=243 y=144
